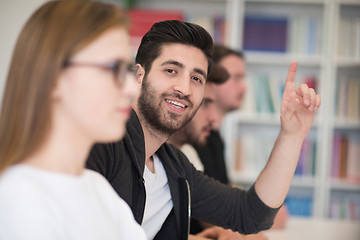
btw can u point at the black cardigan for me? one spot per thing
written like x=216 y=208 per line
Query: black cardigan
x=212 y=157
x=122 y=163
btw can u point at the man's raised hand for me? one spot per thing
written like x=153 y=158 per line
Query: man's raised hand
x=298 y=106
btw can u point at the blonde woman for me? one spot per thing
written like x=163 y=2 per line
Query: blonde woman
x=69 y=85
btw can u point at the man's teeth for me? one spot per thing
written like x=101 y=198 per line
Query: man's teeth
x=176 y=104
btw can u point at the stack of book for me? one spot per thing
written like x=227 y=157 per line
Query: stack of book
x=299 y=205
x=347 y=103
x=307 y=160
x=264 y=92
x=349 y=38
x=345 y=161
x=305 y=36
x=142 y=19
x=297 y=35
x=253 y=151
x=215 y=25
x=268 y=34
x=346 y=208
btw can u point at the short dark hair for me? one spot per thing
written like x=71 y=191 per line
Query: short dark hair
x=218 y=75
x=221 y=51
x=173 y=31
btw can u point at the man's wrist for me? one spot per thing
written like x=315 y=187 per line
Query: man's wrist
x=291 y=137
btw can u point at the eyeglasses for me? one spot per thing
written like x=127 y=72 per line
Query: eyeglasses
x=119 y=68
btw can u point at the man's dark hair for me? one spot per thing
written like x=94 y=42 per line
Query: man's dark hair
x=221 y=51
x=173 y=31
x=218 y=75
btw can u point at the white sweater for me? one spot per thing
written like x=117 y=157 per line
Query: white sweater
x=38 y=204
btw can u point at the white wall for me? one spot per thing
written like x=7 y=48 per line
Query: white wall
x=13 y=15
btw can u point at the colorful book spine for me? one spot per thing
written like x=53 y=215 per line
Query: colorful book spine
x=307 y=161
x=264 y=93
x=142 y=20
x=252 y=153
x=349 y=38
x=268 y=34
x=300 y=35
x=305 y=36
x=345 y=163
x=345 y=207
x=215 y=25
x=299 y=205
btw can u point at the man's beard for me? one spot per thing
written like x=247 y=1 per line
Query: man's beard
x=152 y=112
x=193 y=137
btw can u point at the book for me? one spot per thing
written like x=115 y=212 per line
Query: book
x=206 y=22
x=299 y=205
x=353 y=99
x=263 y=98
x=349 y=38
x=264 y=94
x=348 y=99
x=305 y=35
x=245 y=156
x=219 y=29
x=342 y=95
x=262 y=33
x=276 y=88
x=215 y=25
x=306 y=162
x=345 y=207
x=345 y=164
x=343 y=157
x=353 y=161
x=335 y=156
x=142 y=20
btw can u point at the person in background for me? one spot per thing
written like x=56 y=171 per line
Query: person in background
x=157 y=181
x=196 y=133
x=229 y=97
x=69 y=85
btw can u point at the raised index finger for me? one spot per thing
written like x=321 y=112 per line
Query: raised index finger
x=290 y=79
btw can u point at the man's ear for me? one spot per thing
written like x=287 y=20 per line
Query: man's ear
x=140 y=73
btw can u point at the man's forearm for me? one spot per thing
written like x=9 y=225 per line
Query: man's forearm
x=298 y=108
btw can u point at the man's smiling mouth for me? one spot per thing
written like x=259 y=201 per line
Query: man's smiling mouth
x=175 y=103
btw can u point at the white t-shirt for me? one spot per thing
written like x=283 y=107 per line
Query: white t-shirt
x=36 y=204
x=193 y=156
x=158 y=199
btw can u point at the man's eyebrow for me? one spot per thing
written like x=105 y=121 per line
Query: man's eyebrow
x=201 y=72
x=207 y=100
x=176 y=63
x=173 y=62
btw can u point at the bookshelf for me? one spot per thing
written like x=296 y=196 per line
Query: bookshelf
x=304 y=41
x=321 y=190
x=315 y=37
x=344 y=165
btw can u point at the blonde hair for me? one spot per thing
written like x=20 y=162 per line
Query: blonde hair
x=54 y=33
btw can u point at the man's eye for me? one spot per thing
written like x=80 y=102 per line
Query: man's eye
x=198 y=79
x=170 y=71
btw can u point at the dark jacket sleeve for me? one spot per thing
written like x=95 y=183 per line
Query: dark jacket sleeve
x=106 y=159
x=226 y=206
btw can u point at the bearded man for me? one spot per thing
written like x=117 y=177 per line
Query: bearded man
x=158 y=182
